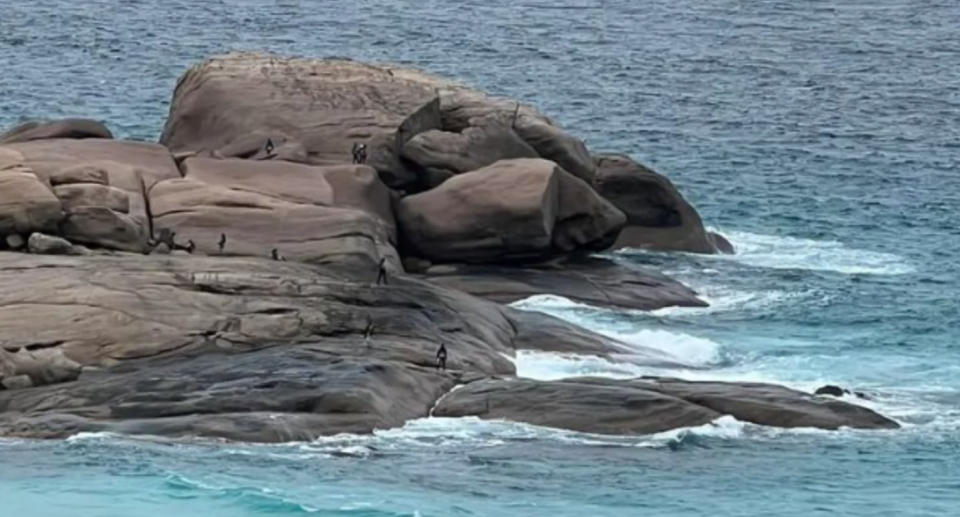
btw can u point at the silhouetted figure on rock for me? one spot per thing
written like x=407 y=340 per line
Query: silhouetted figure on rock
x=359 y=153
x=442 y=357
x=190 y=247
x=222 y=243
x=269 y=147
x=382 y=272
x=275 y=255
x=368 y=332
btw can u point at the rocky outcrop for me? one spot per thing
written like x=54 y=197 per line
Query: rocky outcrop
x=254 y=224
x=649 y=405
x=325 y=106
x=42 y=367
x=67 y=128
x=594 y=281
x=524 y=209
x=26 y=203
x=658 y=217
x=443 y=154
x=95 y=214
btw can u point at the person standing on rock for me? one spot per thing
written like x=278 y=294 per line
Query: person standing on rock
x=442 y=357
x=222 y=242
x=382 y=271
x=359 y=153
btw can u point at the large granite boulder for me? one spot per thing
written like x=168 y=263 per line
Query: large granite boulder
x=254 y=224
x=26 y=203
x=240 y=101
x=658 y=217
x=346 y=186
x=461 y=109
x=649 y=405
x=443 y=154
x=90 y=164
x=523 y=209
x=66 y=128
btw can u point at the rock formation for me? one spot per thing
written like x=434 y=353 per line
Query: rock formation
x=230 y=288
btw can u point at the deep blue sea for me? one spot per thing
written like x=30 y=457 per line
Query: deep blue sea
x=822 y=136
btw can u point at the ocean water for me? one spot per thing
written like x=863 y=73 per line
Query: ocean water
x=823 y=137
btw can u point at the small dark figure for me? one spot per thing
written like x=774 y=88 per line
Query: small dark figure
x=276 y=255
x=359 y=153
x=442 y=357
x=190 y=247
x=382 y=272
x=222 y=243
x=369 y=330
x=269 y=147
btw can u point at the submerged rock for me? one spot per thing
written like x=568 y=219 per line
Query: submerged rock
x=649 y=405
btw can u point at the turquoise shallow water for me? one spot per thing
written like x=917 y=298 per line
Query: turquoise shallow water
x=821 y=136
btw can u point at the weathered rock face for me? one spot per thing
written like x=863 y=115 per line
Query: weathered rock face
x=100 y=226
x=26 y=203
x=462 y=109
x=525 y=209
x=80 y=195
x=66 y=128
x=44 y=366
x=130 y=167
x=214 y=345
x=658 y=217
x=254 y=224
x=325 y=106
x=443 y=154
x=594 y=281
x=649 y=405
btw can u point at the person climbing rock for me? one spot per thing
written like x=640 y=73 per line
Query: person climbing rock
x=222 y=242
x=382 y=272
x=275 y=255
x=442 y=357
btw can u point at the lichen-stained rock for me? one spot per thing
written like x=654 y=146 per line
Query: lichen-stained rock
x=325 y=105
x=254 y=224
x=26 y=203
x=77 y=195
x=67 y=128
x=523 y=209
x=658 y=217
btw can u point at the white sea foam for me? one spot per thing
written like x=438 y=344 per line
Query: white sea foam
x=472 y=432
x=781 y=252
